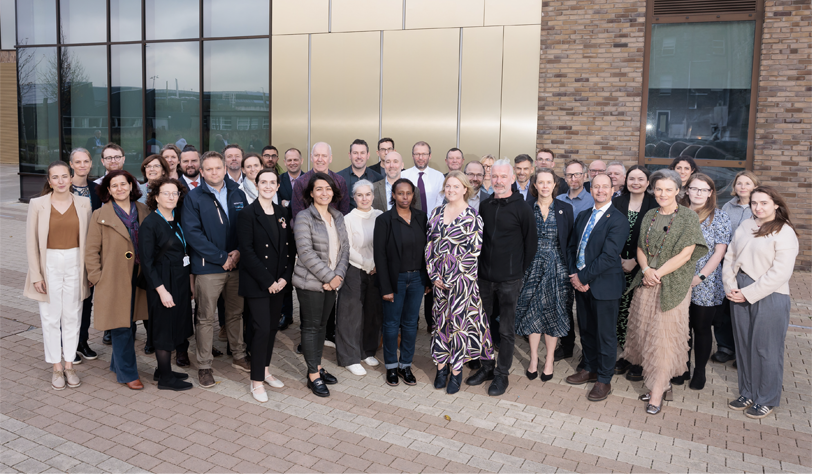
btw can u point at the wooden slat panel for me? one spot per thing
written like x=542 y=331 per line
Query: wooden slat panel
x=9 y=149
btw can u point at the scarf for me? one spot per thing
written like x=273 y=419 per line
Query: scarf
x=131 y=222
x=250 y=189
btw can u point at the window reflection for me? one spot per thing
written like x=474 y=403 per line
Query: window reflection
x=174 y=20
x=8 y=29
x=235 y=105
x=220 y=18
x=36 y=22
x=173 y=95
x=83 y=21
x=125 y=103
x=38 y=115
x=125 y=20
x=700 y=90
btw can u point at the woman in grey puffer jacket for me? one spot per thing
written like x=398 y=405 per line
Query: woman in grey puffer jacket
x=324 y=253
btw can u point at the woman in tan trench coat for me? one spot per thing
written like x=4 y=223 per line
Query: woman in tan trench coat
x=111 y=259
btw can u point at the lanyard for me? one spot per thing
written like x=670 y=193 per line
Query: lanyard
x=180 y=236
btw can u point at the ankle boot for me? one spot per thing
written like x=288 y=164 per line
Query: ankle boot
x=442 y=377
x=486 y=372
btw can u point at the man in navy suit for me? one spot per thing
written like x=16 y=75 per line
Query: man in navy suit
x=293 y=162
x=596 y=275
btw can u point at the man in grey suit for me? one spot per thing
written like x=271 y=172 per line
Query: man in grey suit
x=382 y=190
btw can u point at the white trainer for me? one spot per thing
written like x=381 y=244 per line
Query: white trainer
x=356 y=369
x=276 y=383
x=329 y=343
x=371 y=361
x=258 y=395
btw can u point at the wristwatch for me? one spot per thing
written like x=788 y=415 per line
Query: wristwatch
x=701 y=276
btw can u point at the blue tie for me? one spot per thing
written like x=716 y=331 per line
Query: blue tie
x=586 y=236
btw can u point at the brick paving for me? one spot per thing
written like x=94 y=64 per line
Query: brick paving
x=367 y=426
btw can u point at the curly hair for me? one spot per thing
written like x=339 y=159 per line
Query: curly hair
x=306 y=195
x=103 y=190
x=152 y=196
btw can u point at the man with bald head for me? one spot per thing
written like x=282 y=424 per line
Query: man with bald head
x=321 y=157
x=392 y=165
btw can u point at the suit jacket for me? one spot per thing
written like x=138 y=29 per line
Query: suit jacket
x=377 y=168
x=602 y=254
x=622 y=203
x=267 y=249
x=286 y=189
x=529 y=199
x=387 y=249
x=380 y=197
x=564 y=227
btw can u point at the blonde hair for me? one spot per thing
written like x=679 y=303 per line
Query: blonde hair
x=748 y=174
x=460 y=176
x=486 y=158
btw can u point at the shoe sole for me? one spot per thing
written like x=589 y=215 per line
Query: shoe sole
x=740 y=409
x=241 y=368
x=581 y=383
x=392 y=384
x=57 y=388
x=410 y=383
x=174 y=389
x=207 y=386
x=634 y=378
x=83 y=356
x=758 y=417
x=75 y=386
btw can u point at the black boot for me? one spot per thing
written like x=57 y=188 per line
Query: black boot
x=172 y=383
x=442 y=377
x=107 y=339
x=498 y=386
x=454 y=383
x=486 y=372
x=635 y=373
x=175 y=375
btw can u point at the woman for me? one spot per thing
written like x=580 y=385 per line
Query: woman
x=358 y=317
x=707 y=283
x=56 y=229
x=153 y=167
x=685 y=167
x=267 y=256
x=758 y=265
x=455 y=237
x=487 y=161
x=321 y=240
x=542 y=307
x=658 y=331
x=172 y=155
x=399 y=243
x=165 y=265
x=251 y=167
x=634 y=201
x=118 y=301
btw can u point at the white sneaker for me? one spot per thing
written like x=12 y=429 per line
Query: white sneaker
x=371 y=361
x=276 y=383
x=356 y=369
x=261 y=397
x=329 y=343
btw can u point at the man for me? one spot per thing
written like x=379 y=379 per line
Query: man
x=358 y=170
x=618 y=173
x=545 y=159
x=596 y=275
x=270 y=159
x=112 y=159
x=385 y=145
x=293 y=161
x=509 y=246
x=429 y=181
x=454 y=159
x=210 y=225
x=234 y=163
x=596 y=167
x=95 y=143
x=475 y=172
x=321 y=157
x=523 y=168
x=190 y=167
x=382 y=189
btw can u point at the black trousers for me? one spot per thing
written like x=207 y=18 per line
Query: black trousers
x=265 y=313
x=84 y=325
x=507 y=292
x=315 y=308
x=597 y=321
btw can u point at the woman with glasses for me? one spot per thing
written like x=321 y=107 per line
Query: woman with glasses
x=153 y=168
x=165 y=266
x=487 y=161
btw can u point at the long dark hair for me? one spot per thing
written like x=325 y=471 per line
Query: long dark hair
x=47 y=189
x=782 y=214
x=395 y=186
x=641 y=168
x=306 y=195
x=103 y=190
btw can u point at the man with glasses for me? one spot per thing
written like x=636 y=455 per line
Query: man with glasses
x=270 y=158
x=545 y=159
x=385 y=145
x=112 y=159
x=293 y=161
x=358 y=169
x=596 y=167
x=618 y=173
x=475 y=172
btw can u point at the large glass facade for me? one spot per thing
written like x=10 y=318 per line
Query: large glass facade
x=220 y=18
x=82 y=21
x=36 y=22
x=38 y=88
x=126 y=110
x=84 y=97
x=178 y=19
x=125 y=20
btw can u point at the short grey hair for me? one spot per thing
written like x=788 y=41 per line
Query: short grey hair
x=617 y=163
x=329 y=150
x=503 y=162
x=660 y=175
x=80 y=150
x=360 y=184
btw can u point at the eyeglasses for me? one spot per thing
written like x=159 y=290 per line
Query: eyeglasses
x=270 y=156
x=606 y=187
x=170 y=193
x=573 y=175
x=699 y=190
x=153 y=167
x=113 y=158
x=475 y=175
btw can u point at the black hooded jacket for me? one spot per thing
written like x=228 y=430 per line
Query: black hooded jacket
x=509 y=238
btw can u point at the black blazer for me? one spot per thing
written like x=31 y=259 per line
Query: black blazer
x=267 y=250
x=377 y=168
x=564 y=227
x=622 y=203
x=286 y=190
x=602 y=255
x=95 y=202
x=387 y=249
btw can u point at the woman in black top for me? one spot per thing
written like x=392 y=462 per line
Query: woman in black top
x=165 y=266
x=267 y=255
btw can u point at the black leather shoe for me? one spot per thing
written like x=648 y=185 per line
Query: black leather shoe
x=86 y=352
x=680 y=378
x=635 y=373
x=532 y=375
x=406 y=374
x=107 y=339
x=622 y=366
x=474 y=364
x=299 y=348
x=149 y=349
x=182 y=359
x=722 y=357
x=176 y=375
x=454 y=383
x=486 y=372
x=560 y=354
x=698 y=379
x=283 y=323
x=442 y=377
x=392 y=377
x=498 y=386
x=327 y=378
x=174 y=384
x=216 y=352
x=318 y=387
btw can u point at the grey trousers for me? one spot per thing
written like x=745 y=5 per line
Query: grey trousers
x=759 y=335
x=358 y=317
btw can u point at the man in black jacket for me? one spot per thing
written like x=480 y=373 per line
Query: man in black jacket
x=509 y=246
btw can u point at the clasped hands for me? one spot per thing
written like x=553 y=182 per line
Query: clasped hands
x=735 y=296
x=577 y=284
x=277 y=286
x=333 y=284
x=232 y=260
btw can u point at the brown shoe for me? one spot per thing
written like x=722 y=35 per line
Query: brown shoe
x=135 y=385
x=205 y=378
x=182 y=359
x=222 y=334
x=241 y=364
x=582 y=377
x=600 y=392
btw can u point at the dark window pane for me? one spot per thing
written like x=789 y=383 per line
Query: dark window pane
x=220 y=18
x=700 y=90
x=235 y=105
x=83 y=21
x=8 y=30
x=173 y=95
x=723 y=179
x=125 y=20
x=125 y=104
x=36 y=22
x=173 y=20
x=38 y=114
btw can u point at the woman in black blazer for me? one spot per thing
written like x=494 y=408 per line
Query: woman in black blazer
x=633 y=202
x=399 y=241
x=267 y=255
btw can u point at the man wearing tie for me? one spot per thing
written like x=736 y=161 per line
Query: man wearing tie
x=596 y=275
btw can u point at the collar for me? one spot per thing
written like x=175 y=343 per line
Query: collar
x=604 y=208
x=581 y=194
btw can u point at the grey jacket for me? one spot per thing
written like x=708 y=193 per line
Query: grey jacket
x=310 y=232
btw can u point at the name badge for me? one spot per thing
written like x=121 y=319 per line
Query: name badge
x=238 y=206
x=186 y=260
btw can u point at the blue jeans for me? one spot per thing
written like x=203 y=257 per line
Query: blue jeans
x=402 y=313
x=123 y=359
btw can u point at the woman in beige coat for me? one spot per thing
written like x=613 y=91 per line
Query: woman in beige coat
x=56 y=228
x=112 y=262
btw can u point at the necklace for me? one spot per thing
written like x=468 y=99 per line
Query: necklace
x=651 y=255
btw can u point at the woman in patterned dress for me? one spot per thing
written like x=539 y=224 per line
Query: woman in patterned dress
x=543 y=307
x=455 y=236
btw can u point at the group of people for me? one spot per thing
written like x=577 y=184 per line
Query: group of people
x=493 y=249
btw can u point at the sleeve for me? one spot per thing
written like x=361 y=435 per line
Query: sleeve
x=469 y=261
x=722 y=228
x=572 y=248
x=32 y=245
x=786 y=247
x=693 y=235
x=93 y=251
x=617 y=232
x=148 y=248
x=195 y=236
x=380 y=234
x=344 y=202
x=529 y=237
x=289 y=270
x=729 y=277
x=430 y=255
x=249 y=261
x=307 y=255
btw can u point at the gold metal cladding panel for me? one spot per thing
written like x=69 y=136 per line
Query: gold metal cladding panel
x=289 y=93
x=513 y=12
x=443 y=13
x=344 y=91
x=289 y=17
x=420 y=90
x=366 y=15
x=520 y=90
x=480 y=95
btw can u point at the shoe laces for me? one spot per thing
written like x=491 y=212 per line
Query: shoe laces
x=761 y=409
x=743 y=400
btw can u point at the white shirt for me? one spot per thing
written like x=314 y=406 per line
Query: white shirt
x=238 y=181
x=599 y=215
x=189 y=181
x=388 y=190
x=432 y=182
x=360 y=228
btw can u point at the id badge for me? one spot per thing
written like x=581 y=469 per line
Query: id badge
x=186 y=260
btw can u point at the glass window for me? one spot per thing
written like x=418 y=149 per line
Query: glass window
x=235 y=84
x=38 y=115
x=173 y=20
x=125 y=20
x=220 y=18
x=700 y=90
x=8 y=28
x=83 y=21
x=36 y=22
x=173 y=94
x=125 y=104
